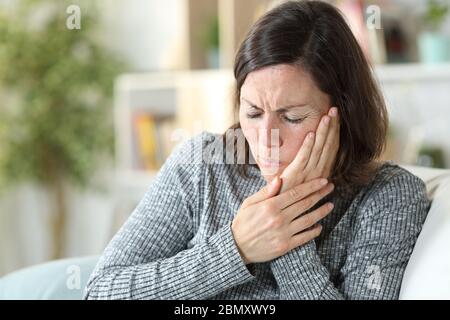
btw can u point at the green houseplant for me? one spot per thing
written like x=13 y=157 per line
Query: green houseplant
x=434 y=46
x=210 y=41
x=55 y=101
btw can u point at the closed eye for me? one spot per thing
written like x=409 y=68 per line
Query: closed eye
x=297 y=120
x=287 y=119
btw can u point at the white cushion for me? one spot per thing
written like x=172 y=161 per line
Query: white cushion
x=427 y=275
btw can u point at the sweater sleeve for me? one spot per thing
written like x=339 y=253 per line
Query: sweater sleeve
x=148 y=258
x=383 y=238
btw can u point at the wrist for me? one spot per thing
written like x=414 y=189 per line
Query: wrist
x=302 y=252
x=244 y=258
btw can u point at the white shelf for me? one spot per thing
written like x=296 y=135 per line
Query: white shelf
x=197 y=100
x=413 y=72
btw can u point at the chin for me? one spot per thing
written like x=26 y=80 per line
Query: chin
x=270 y=172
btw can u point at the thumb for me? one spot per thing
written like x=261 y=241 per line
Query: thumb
x=268 y=191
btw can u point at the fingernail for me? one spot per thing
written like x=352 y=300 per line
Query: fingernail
x=311 y=135
x=331 y=205
x=333 y=111
x=323 y=182
x=326 y=120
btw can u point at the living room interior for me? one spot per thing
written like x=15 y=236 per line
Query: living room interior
x=97 y=94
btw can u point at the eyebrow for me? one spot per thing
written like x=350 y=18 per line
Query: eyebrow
x=282 y=109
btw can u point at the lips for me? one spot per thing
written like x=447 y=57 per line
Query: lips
x=269 y=162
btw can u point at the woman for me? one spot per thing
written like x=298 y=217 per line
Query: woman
x=309 y=214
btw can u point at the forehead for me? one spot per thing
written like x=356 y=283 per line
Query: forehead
x=282 y=83
x=278 y=77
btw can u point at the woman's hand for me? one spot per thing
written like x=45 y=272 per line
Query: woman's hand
x=268 y=225
x=316 y=156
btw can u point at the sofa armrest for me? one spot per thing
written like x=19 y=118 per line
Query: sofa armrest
x=63 y=279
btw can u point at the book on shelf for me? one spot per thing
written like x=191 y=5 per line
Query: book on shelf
x=151 y=145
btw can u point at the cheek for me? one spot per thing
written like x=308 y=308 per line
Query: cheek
x=294 y=137
x=292 y=143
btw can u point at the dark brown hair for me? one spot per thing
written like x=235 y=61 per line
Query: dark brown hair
x=314 y=35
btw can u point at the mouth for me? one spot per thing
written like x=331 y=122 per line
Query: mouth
x=269 y=163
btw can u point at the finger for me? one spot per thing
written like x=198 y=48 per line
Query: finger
x=321 y=134
x=299 y=163
x=308 y=220
x=301 y=159
x=269 y=190
x=304 y=237
x=299 y=192
x=305 y=204
x=332 y=142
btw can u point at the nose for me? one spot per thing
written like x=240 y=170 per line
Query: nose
x=269 y=137
x=270 y=140
x=269 y=132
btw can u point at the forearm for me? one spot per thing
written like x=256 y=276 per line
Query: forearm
x=301 y=275
x=197 y=273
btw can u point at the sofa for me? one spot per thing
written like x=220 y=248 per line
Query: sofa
x=427 y=275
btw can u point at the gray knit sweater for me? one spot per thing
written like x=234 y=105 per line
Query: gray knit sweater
x=178 y=244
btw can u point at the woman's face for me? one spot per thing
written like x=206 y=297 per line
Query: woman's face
x=282 y=97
